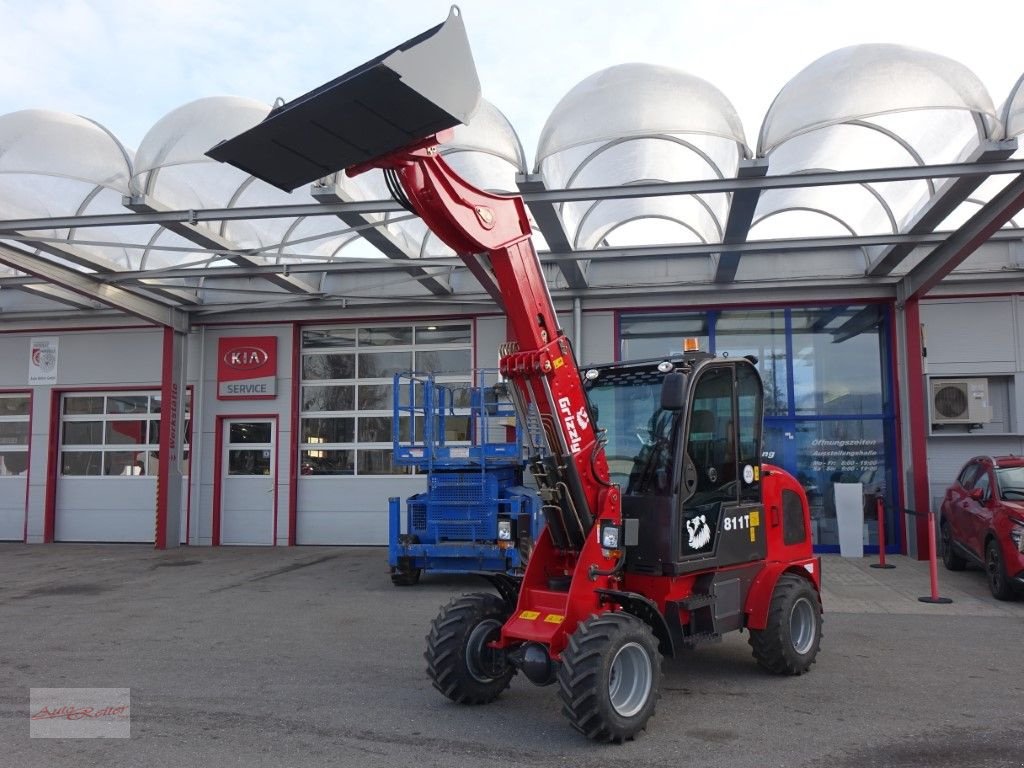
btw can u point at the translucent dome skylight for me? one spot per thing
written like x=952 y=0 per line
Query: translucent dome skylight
x=637 y=123
x=862 y=107
x=172 y=169
x=54 y=164
x=1013 y=111
x=867 y=106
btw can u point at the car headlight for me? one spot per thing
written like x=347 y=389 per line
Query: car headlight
x=504 y=530
x=610 y=535
x=1017 y=534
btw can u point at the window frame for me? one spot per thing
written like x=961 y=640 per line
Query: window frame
x=148 y=445
x=358 y=339
x=19 y=448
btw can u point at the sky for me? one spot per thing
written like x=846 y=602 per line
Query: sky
x=127 y=63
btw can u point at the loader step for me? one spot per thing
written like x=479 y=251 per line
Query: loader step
x=693 y=602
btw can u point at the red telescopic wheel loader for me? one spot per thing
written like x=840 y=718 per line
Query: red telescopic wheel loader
x=664 y=529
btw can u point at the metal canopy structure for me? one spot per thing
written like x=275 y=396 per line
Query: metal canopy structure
x=643 y=191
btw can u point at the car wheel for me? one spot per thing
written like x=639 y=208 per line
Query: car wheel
x=998 y=582
x=950 y=558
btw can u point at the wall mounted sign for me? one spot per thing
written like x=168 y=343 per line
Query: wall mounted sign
x=247 y=368
x=42 y=360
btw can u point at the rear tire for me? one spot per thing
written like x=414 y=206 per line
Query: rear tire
x=950 y=558
x=405 y=578
x=789 y=644
x=609 y=678
x=459 y=663
x=998 y=581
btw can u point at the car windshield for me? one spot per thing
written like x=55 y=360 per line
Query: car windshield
x=1011 y=482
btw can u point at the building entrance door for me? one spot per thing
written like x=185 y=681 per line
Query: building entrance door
x=248 y=482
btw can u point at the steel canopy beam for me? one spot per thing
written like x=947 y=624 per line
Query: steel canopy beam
x=660 y=189
x=382 y=240
x=206 y=239
x=741 y=214
x=88 y=286
x=70 y=252
x=62 y=295
x=950 y=195
x=550 y=225
x=962 y=243
x=691 y=250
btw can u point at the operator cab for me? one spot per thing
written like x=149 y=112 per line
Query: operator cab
x=684 y=445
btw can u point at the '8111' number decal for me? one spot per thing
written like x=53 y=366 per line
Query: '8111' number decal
x=736 y=522
x=748 y=521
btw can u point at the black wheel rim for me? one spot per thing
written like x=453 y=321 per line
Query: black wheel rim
x=483 y=663
x=995 y=571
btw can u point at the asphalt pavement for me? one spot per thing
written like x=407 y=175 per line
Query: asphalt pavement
x=284 y=657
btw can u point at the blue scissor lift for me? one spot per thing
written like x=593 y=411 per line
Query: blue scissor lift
x=476 y=514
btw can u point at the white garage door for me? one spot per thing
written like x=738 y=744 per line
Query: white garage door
x=346 y=421
x=106 y=490
x=14 y=428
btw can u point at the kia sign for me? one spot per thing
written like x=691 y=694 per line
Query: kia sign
x=247 y=368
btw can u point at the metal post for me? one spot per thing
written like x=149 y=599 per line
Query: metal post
x=880 y=508
x=932 y=565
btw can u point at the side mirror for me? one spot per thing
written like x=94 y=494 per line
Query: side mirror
x=673 y=391
x=978 y=494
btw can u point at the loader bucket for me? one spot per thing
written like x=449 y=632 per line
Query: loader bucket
x=423 y=86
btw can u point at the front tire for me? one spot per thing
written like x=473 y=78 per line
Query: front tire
x=789 y=644
x=459 y=662
x=998 y=581
x=609 y=678
x=950 y=558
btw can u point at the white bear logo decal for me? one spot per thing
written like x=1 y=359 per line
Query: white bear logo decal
x=700 y=533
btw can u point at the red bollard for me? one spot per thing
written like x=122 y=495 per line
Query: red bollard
x=880 y=508
x=932 y=565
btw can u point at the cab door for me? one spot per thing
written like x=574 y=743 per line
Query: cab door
x=721 y=515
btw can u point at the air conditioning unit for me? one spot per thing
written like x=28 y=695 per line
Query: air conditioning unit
x=960 y=401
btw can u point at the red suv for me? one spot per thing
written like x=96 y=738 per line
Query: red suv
x=983 y=522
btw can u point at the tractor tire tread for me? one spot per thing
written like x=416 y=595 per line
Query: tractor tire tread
x=445 y=654
x=580 y=676
x=405 y=578
x=771 y=646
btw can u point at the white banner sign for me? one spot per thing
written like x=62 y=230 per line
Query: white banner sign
x=42 y=361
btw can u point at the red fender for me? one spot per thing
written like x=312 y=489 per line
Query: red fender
x=759 y=598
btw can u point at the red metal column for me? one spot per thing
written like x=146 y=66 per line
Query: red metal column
x=168 y=479
x=52 y=469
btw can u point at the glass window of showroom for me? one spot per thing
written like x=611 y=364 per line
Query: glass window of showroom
x=828 y=393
